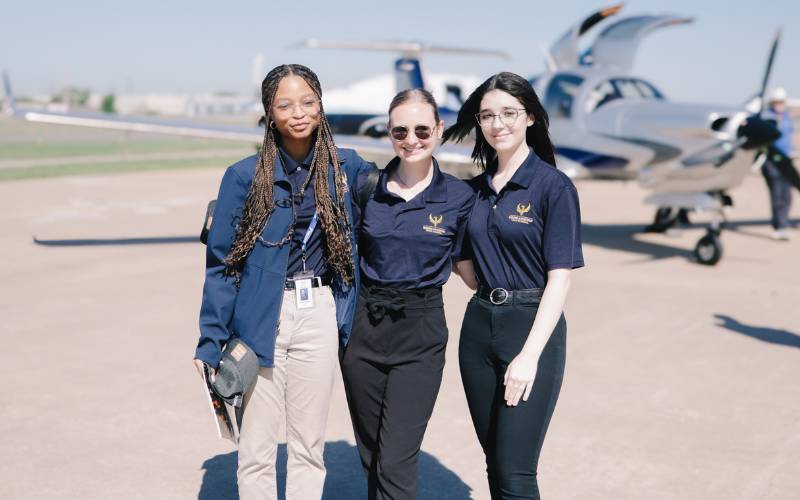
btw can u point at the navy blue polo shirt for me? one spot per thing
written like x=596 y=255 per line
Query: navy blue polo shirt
x=304 y=208
x=412 y=244
x=533 y=225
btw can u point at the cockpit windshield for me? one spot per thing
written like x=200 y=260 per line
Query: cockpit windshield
x=620 y=88
x=560 y=95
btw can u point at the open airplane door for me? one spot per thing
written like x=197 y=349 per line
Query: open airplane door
x=615 y=46
x=564 y=52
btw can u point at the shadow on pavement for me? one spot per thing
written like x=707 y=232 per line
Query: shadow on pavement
x=345 y=479
x=766 y=334
x=622 y=237
x=117 y=241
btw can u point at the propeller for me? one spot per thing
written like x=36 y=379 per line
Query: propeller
x=756 y=131
x=768 y=70
x=753 y=133
x=755 y=128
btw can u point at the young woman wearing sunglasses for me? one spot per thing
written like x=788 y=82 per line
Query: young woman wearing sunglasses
x=281 y=276
x=523 y=237
x=410 y=233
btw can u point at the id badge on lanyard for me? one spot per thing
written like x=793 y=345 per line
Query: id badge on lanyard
x=302 y=280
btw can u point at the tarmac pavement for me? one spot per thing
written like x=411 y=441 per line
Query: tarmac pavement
x=681 y=379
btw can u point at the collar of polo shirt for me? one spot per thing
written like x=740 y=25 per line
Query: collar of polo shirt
x=523 y=177
x=435 y=192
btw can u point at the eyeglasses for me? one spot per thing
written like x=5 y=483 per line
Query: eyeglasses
x=308 y=106
x=421 y=131
x=507 y=117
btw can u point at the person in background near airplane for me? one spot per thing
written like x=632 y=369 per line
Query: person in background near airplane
x=780 y=190
x=524 y=239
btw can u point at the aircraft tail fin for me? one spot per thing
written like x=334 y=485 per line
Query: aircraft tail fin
x=408 y=74
x=10 y=104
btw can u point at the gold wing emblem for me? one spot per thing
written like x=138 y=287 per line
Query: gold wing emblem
x=435 y=220
x=523 y=209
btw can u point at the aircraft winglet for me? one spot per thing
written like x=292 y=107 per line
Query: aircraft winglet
x=10 y=103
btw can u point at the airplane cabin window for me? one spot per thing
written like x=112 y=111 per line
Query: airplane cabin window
x=647 y=90
x=601 y=94
x=560 y=95
x=628 y=89
x=620 y=88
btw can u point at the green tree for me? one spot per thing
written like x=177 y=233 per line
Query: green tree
x=108 y=104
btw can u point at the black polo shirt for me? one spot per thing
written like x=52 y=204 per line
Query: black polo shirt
x=412 y=245
x=304 y=209
x=533 y=225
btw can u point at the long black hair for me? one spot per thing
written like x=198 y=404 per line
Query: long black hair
x=259 y=204
x=536 y=136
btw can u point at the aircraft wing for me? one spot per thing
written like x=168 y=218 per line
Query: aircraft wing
x=454 y=158
x=615 y=47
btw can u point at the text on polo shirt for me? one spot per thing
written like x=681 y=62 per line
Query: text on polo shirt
x=435 y=220
x=521 y=218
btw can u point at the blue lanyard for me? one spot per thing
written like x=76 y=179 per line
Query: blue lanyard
x=311 y=226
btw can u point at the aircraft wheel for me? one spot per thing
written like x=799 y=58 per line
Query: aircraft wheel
x=708 y=250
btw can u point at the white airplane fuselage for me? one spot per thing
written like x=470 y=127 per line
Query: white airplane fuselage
x=601 y=134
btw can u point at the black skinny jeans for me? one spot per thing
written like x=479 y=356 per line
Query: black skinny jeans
x=511 y=437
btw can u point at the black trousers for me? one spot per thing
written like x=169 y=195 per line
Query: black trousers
x=511 y=437
x=392 y=369
x=780 y=194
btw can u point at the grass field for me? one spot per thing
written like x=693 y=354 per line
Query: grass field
x=69 y=150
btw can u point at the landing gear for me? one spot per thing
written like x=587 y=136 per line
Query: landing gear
x=665 y=219
x=708 y=250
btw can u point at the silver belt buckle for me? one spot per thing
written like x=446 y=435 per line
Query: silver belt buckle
x=498 y=302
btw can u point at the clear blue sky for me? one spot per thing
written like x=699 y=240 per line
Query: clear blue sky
x=199 y=45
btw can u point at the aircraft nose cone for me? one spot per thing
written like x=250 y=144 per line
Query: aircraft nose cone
x=758 y=132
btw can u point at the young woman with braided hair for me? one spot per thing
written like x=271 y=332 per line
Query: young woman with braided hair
x=282 y=223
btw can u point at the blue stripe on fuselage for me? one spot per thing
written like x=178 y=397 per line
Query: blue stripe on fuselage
x=592 y=160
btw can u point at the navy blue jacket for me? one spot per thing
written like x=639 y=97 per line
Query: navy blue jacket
x=251 y=312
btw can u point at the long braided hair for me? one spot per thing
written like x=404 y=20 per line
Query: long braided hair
x=260 y=204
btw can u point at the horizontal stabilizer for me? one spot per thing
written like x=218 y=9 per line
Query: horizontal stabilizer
x=408 y=49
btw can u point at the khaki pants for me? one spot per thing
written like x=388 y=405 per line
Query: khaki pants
x=298 y=389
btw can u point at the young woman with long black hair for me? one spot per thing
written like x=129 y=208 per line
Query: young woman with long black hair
x=523 y=238
x=411 y=231
x=283 y=221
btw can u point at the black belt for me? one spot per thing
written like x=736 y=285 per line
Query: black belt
x=499 y=296
x=381 y=301
x=316 y=282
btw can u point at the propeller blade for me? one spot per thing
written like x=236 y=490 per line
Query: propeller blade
x=768 y=70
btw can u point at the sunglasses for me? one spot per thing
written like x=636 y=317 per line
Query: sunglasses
x=421 y=131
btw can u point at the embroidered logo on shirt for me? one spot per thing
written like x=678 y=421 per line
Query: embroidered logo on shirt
x=435 y=220
x=521 y=218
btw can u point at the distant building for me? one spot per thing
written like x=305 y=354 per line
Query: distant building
x=207 y=104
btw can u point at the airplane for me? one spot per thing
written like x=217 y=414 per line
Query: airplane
x=360 y=108
x=605 y=123
x=609 y=124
